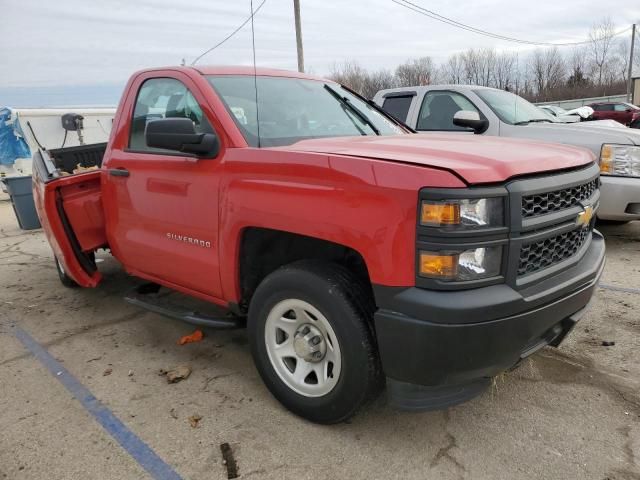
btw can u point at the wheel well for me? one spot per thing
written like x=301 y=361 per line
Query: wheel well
x=263 y=250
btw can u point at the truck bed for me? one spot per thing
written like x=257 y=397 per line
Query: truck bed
x=72 y=159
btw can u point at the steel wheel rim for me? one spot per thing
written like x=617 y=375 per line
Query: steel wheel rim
x=290 y=346
x=61 y=267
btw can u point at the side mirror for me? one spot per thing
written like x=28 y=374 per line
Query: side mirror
x=470 y=119
x=179 y=134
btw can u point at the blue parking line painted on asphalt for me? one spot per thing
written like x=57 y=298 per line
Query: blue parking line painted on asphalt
x=139 y=450
x=615 y=288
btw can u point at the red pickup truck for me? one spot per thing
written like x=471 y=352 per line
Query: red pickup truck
x=356 y=253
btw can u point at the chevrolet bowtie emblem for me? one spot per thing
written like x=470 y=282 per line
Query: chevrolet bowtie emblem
x=584 y=218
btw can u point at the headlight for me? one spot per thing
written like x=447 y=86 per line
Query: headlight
x=620 y=160
x=468 y=213
x=471 y=264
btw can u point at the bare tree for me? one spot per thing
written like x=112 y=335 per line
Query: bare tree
x=367 y=84
x=548 y=68
x=598 y=68
x=419 y=71
x=376 y=81
x=479 y=66
x=504 y=71
x=351 y=74
x=600 y=46
x=453 y=70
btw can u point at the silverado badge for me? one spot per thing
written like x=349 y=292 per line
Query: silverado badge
x=584 y=218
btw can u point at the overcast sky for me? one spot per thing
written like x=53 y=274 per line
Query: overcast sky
x=76 y=42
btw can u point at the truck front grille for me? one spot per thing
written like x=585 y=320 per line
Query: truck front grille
x=549 y=251
x=548 y=202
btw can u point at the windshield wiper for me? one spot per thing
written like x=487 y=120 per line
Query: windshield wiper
x=382 y=112
x=533 y=120
x=355 y=110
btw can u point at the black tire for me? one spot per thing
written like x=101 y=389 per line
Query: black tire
x=66 y=280
x=347 y=305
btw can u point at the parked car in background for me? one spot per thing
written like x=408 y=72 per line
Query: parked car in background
x=568 y=116
x=358 y=252
x=625 y=113
x=469 y=109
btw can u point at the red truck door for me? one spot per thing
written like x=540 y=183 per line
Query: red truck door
x=71 y=214
x=161 y=206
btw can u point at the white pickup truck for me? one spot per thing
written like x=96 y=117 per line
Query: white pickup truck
x=469 y=109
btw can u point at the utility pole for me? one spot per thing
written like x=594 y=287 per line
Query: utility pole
x=633 y=42
x=296 y=12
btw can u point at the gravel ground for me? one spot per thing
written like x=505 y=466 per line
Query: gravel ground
x=568 y=413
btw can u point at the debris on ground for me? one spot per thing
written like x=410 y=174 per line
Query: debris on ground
x=229 y=461
x=177 y=374
x=130 y=374
x=196 y=336
x=107 y=372
x=173 y=413
x=607 y=343
x=194 y=419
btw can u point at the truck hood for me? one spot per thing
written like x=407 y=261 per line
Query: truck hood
x=474 y=158
x=589 y=135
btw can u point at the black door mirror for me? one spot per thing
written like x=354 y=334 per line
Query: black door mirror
x=179 y=134
x=470 y=119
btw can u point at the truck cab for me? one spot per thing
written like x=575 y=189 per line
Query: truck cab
x=356 y=253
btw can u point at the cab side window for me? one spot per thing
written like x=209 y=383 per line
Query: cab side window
x=619 y=107
x=398 y=106
x=163 y=98
x=438 y=109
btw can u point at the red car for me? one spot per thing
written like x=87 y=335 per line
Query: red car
x=356 y=253
x=625 y=113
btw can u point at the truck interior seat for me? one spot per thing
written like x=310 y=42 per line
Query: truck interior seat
x=441 y=111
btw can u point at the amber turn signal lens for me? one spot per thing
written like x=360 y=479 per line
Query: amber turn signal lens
x=606 y=159
x=440 y=214
x=438 y=266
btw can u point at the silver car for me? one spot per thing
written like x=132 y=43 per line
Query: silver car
x=468 y=109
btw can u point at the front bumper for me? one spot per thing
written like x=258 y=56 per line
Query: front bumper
x=452 y=338
x=619 y=198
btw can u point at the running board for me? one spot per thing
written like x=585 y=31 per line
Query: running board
x=146 y=296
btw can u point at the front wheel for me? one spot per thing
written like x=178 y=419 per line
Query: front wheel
x=312 y=341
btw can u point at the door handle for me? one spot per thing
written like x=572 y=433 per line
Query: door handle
x=119 y=172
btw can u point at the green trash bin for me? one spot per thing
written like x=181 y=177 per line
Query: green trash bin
x=19 y=189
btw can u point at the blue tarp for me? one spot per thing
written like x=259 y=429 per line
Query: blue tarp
x=12 y=144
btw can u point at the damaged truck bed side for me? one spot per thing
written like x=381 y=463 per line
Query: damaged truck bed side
x=360 y=254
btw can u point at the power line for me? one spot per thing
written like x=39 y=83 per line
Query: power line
x=253 y=13
x=440 y=18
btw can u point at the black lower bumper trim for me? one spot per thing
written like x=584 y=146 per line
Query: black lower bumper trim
x=420 y=345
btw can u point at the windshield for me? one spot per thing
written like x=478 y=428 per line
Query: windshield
x=511 y=108
x=293 y=109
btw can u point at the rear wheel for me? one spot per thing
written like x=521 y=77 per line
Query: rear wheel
x=312 y=342
x=65 y=279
